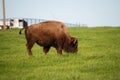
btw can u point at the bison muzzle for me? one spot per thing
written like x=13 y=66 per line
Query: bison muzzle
x=50 y=34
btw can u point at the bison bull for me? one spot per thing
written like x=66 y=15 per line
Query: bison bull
x=50 y=34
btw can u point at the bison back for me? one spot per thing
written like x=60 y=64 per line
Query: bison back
x=47 y=33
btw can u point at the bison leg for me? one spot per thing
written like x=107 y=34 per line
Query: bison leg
x=59 y=46
x=46 y=49
x=59 y=50
x=29 y=46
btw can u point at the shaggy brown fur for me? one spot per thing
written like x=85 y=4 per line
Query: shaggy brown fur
x=50 y=34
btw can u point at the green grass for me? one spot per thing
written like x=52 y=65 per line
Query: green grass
x=98 y=57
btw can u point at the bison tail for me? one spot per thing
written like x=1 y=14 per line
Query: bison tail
x=25 y=26
x=20 y=32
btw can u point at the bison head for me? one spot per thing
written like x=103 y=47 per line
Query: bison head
x=71 y=45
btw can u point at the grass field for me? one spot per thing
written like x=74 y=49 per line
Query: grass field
x=98 y=57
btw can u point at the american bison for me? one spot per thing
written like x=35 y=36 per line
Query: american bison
x=50 y=34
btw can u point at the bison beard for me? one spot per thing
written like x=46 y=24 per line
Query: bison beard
x=50 y=34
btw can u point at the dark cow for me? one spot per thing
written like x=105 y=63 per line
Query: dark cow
x=50 y=34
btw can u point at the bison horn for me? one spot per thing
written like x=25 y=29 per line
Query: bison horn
x=75 y=41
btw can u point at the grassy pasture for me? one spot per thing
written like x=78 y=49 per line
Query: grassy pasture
x=98 y=57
